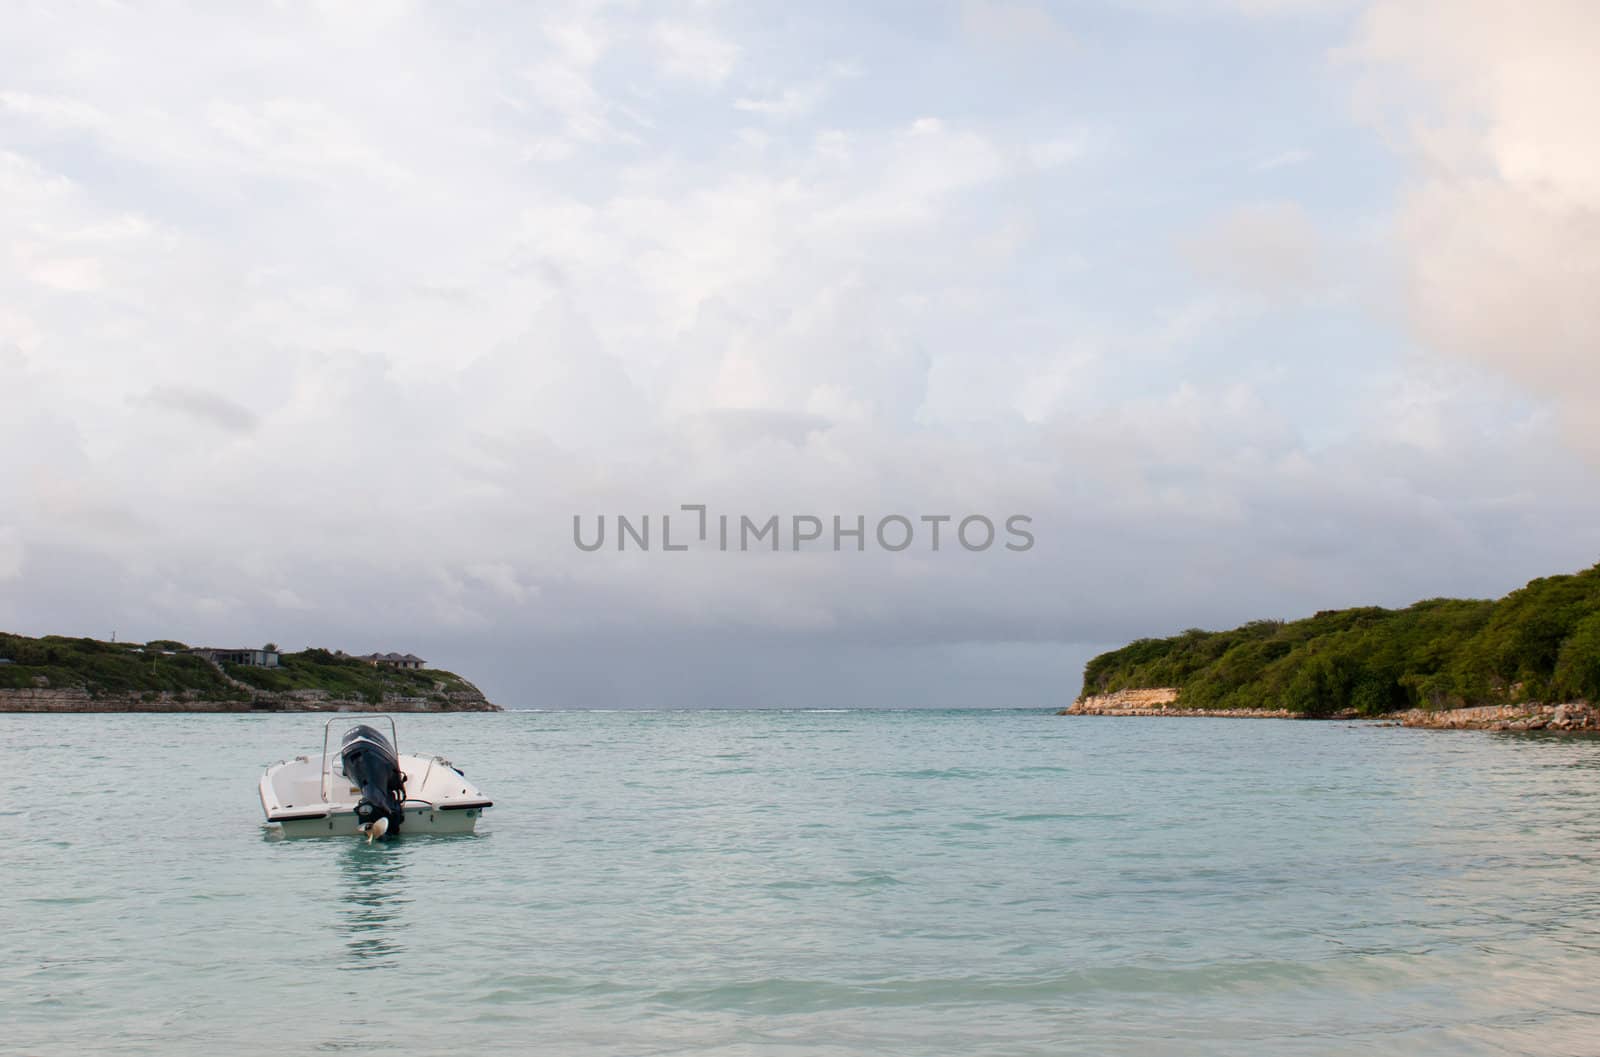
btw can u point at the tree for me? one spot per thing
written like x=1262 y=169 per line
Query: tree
x=1578 y=667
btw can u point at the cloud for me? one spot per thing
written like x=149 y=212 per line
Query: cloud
x=559 y=87
x=695 y=53
x=1501 y=222
x=790 y=103
x=1058 y=151
x=11 y=554
x=1269 y=248
x=1282 y=160
x=202 y=405
x=1277 y=8
x=53 y=110
x=797 y=100
x=1013 y=25
x=299 y=138
x=326 y=354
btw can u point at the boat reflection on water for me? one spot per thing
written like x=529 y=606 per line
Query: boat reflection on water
x=375 y=900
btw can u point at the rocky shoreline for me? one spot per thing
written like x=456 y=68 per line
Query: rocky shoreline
x=1160 y=702
x=77 y=700
x=1572 y=716
x=1575 y=716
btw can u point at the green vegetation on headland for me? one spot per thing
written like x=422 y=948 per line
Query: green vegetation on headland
x=1538 y=644
x=60 y=663
x=149 y=670
x=345 y=677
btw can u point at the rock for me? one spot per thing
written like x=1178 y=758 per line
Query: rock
x=1162 y=701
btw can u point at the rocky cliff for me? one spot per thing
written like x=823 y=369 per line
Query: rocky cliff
x=1160 y=701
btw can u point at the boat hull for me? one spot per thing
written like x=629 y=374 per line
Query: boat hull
x=314 y=796
x=419 y=820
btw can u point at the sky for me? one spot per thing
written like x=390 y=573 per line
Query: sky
x=321 y=323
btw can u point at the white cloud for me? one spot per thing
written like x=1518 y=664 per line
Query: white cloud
x=1282 y=160
x=1271 y=248
x=1276 y=8
x=1502 y=222
x=695 y=53
x=1058 y=151
x=300 y=138
x=792 y=102
x=797 y=100
x=1013 y=24
x=53 y=110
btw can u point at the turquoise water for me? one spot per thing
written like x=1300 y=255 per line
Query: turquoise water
x=811 y=883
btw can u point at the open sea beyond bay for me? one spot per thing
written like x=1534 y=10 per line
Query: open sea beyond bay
x=810 y=882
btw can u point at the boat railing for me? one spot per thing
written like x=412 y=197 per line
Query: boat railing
x=423 y=784
x=327 y=732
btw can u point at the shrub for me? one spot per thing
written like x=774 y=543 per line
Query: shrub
x=1540 y=641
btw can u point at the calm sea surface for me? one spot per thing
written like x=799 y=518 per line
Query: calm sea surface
x=726 y=883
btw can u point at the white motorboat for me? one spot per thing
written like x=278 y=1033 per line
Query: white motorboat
x=367 y=788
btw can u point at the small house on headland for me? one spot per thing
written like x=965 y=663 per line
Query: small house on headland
x=266 y=657
x=408 y=661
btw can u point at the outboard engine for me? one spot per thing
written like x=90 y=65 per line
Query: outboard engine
x=371 y=764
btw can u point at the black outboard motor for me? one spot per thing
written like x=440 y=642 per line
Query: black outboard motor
x=371 y=764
